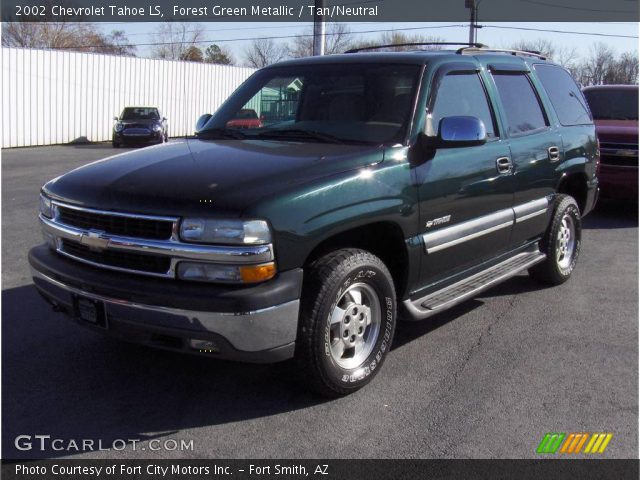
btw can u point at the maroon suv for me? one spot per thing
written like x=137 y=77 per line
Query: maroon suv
x=615 y=113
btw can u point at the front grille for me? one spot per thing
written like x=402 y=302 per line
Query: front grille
x=619 y=146
x=136 y=132
x=619 y=161
x=116 y=224
x=112 y=258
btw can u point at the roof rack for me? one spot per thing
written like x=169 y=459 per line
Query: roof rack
x=418 y=44
x=485 y=49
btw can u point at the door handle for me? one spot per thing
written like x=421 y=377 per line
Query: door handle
x=504 y=165
x=554 y=154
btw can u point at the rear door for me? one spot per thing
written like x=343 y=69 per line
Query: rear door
x=535 y=145
x=465 y=200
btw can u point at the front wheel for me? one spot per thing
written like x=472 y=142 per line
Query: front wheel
x=347 y=322
x=561 y=243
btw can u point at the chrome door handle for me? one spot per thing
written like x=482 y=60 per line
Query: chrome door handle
x=554 y=154
x=504 y=165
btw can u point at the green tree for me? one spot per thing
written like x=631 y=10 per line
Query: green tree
x=216 y=54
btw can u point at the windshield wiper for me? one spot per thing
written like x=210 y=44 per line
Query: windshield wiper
x=220 y=133
x=299 y=134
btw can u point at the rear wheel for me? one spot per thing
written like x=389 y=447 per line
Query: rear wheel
x=561 y=243
x=347 y=321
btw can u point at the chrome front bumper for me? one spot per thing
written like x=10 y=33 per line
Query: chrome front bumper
x=263 y=335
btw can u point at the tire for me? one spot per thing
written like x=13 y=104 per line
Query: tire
x=561 y=243
x=347 y=321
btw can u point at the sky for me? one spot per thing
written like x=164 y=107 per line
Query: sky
x=230 y=34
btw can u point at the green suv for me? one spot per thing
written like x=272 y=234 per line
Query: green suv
x=376 y=186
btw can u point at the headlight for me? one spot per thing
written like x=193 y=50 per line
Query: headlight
x=45 y=206
x=119 y=127
x=234 y=232
x=211 y=272
x=157 y=128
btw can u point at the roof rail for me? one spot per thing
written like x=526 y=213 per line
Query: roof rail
x=417 y=44
x=484 y=49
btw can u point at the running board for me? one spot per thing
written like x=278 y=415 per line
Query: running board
x=463 y=290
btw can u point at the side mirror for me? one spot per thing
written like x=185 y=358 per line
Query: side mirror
x=115 y=119
x=461 y=132
x=202 y=121
x=164 y=119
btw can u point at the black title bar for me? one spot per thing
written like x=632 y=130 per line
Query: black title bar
x=304 y=10
x=547 y=469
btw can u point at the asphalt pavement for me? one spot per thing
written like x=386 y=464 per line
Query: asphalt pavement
x=487 y=379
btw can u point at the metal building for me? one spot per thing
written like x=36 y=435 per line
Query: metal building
x=53 y=97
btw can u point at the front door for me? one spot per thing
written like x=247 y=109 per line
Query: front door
x=465 y=193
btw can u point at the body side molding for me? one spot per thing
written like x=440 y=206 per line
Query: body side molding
x=474 y=228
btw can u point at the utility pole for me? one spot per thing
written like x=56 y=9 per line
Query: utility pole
x=318 y=29
x=471 y=5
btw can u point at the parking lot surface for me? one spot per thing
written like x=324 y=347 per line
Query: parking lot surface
x=486 y=379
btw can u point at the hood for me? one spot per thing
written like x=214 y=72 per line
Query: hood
x=198 y=177
x=617 y=131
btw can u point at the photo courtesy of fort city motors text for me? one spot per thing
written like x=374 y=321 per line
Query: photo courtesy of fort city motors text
x=341 y=239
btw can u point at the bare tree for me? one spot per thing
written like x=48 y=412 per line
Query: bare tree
x=117 y=43
x=623 y=70
x=263 y=52
x=593 y=70
x=396 y=38
x=338 y=39
x=174 y=39
x=82 y=37
x=566 y=56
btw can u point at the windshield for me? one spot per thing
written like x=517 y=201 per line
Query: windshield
x=136 y=113
x=345 y=103
x=613 y=104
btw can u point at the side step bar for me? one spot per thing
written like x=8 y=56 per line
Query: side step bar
x=463 y=290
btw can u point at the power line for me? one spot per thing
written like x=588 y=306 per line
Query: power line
x=224 y=40
x=567 y=7
x=559 y=31
x=282 y=37
x=246 y=28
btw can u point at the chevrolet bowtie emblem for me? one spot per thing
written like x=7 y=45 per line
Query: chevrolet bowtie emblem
x=94 y=239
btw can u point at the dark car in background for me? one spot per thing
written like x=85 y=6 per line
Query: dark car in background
x=139 y=125
x=615 y=113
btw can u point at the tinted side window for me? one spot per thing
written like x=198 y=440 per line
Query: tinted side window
x=566 y=97
x=462 y=95
x=520 y=103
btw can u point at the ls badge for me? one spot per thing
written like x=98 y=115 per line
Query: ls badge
x=438 y=221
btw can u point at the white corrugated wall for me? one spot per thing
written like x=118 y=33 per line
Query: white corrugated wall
x=51 y=97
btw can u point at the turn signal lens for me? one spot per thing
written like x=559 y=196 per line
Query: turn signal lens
x=258 y=273
x=216 y=273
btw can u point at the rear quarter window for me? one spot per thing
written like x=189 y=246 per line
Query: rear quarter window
x=566 y=98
